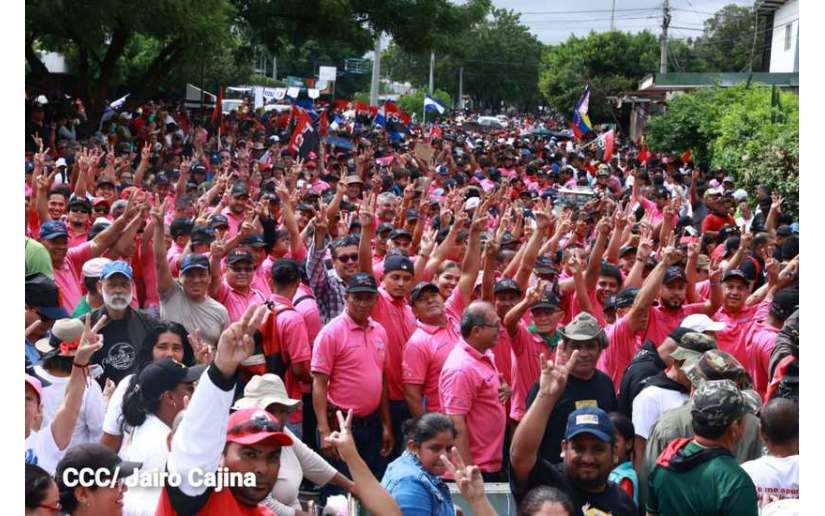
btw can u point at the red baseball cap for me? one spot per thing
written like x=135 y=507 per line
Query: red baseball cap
x=254 y=426
x=128 y=191
x=310 y=164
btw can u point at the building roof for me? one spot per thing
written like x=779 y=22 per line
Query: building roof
x=690 y=81
x=768 y=6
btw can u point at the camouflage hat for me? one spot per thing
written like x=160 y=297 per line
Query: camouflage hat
x=691 y=346
x=716 y=364
x=583 y=327
x=718 y=403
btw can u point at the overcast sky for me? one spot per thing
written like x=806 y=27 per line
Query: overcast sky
x=554 y=21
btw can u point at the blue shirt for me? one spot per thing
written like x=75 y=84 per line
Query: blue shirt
x=625 y=471
x=417 y=492
x=32 y=354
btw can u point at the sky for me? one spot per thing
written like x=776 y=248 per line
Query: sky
x=554 y=21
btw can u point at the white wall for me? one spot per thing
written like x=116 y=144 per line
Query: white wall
x=783 y=60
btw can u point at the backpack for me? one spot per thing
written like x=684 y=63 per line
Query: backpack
x=268 y=356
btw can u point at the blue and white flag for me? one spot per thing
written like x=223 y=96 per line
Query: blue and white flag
x=431 y=105
x=119 y=102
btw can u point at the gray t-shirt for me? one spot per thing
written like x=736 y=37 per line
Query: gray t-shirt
x=209 y=316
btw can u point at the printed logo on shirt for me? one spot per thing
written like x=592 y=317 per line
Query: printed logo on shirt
x=121 y=356
x=589 y=510
x=586 y=404
x=31 y=458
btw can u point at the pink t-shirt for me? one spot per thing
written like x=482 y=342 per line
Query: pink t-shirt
x=76 y=237
x=469 y=386
x=397 y=318
x=260 y=279
x=623 y=343
x=731 y=338
x=502 y=354
x=598 y=309
x=656 y=215
x=662 y=321
x=235 y=222
x=759 y=343
x=526 y=369
x=237 y=302
x=150 y=282
x=354 y=358
x=67 y=276
x=703 y=289
x=319 y=186
x=292 y=334
x=308 y=308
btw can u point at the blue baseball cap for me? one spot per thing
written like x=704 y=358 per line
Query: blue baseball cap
x=589 y=420
x=53 y=229
x=116 y=267
x=194 y=261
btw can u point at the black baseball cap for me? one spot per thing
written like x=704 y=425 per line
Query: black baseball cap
x=384 y=227
x=735 y=274
x=96 y=457
x=42 y=294
x=202 y=235
x=412 y=214
x=180 y=226
x=362 y=282
x=420 y=288
x=398 y=263
x=239 y=189
x=626 y=297
x=82 y=202
x=544 y=265
x=254 y=240
x=548 y=300
x=194 y=261
x=627 y=249
x=218 y=221
x=164 y=375
x=400 y=232
x=507 y=285
x=674 y=273
x=285 y=271
x=236 y=255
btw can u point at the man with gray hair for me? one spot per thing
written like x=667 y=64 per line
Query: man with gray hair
x=385 y=207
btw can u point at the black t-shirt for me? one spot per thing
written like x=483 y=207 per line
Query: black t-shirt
x=645 y=363
x=612 y=500
x=595 y=392
x=117 y=356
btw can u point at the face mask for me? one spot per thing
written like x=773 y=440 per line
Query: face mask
x=117 y=301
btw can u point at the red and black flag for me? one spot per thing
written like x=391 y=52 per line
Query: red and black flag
x=305 y=138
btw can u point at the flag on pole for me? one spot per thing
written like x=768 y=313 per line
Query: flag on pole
x=217 y=111
x=581 y=122
x=686 y=156
x=605 y=143
x=304 y=137
x=430 y=104
x=119 y=102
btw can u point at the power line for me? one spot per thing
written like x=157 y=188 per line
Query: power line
x=589 y=11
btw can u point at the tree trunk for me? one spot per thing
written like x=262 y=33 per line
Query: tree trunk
x=158 y=71
x=38 y=70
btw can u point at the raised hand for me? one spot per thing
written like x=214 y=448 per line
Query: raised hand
x=468 y=478
x=341 y=442
x=553 y=379
x=203 y=352
x=90 y=341
x=776 y=202
x=235 y=343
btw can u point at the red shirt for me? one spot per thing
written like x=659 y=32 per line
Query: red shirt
x=67 y=275
x=731 y=339
x=662 y=321
x=526 y=368
x=713 y=222
x=759 y=341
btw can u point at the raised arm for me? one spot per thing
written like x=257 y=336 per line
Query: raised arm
x=594 y=264
x=620 y=219
x=637 y=316
x=472 y=257
x=162 y=272
x=367 y=218
x=531 y=250
x=514 y=315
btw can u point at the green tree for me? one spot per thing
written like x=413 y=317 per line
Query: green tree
x=728 y=38
x=414 y=102
x=611 y=61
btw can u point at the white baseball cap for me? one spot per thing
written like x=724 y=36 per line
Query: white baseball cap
x=93 y=267
x=701 y=323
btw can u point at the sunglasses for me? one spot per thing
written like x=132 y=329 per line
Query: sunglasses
x=100 y=209
x=347 y=258
x=255 y=425
x=76 y=209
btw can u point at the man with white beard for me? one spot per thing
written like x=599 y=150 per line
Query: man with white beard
x=125 y=327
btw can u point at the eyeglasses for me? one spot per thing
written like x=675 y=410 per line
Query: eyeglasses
x=344 y=258
x=75 y=209
x=56 y=507
x=101 y=210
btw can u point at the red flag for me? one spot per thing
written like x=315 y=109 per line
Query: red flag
x=373 y=111
x=605 y=142
x=405 y=118
x=686 y=156
x=644 y=154
x=323 y=124
x=361 y=106
x=303 y=124
x=390 y=107
x=216 y=112
x=340 y=104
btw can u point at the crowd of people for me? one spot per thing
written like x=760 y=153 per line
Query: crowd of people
x=388 y=317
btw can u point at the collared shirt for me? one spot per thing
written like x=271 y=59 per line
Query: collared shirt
x=397 y=318
x=623 y=343
x=417 y=492
x=235 y=221
x=759 y=342
x=235 y=301
x=328 y=287
x=661 y=321
x=424 y=357
x=67 y=275
x=292 y=334
x=354 y=358
x=731 y=338
x=469 y=387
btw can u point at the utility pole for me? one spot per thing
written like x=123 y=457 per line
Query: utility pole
x=432 y=65
x=461 y=88
x=612 y=14
x=663 y=42
x=376 y=71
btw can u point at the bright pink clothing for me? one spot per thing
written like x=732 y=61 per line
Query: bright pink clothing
x=703 y=289
x=469 y=386
x=424 y=357
x=150 y=282
x=308 y=308
x=354 y=358
x=502 y=353
x=174 y=252
x=235 y=221
x=661 y=321
x=67 y=276
x=76 y=237
x=319 y=186
x=759 y=343
x=260 y=279
x=731 y=339
x=598 y=309
x=397 y=318
x=292 y=334
x=526 y=369
x=623 y=343
x=656 y=215
x=237 y=302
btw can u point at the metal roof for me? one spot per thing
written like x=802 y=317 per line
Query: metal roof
x=678 y=81
x=768 y=6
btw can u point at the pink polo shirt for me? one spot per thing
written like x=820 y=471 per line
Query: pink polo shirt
x=260 y=279
x=150 y=282
x=502 y=354
x=76 y=237
x=67 y=276
x=661 y=322
x=468 y=386
x=308 y=308
x=237 y=302
x=731 y=338
x=656 y=215
x=526 y=369
x=598 y=309
x=759 y=342
x=319 y=186
x=354 y=358
x=424 y=357
x=623 y=343
x=397 y=318
x=292 y=334
x=235 y=222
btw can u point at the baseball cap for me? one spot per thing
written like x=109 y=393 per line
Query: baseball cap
x=53 y=229
x=36 y=385
x=262 y=391
x=254 y=240
x=674 y=273
x=735 y=274
x=627 y=249
x=236 y=255
x=589 y=420
x=164 y=375
x=626 y=297
x=194 y=261
x=310 y=164
x=64 y=340
x=398 y=263
x=544 y=265
x=412 y=214
x=94 y=267
x=471 y=203
x=785 y=302
x=362 y=282
x=548 y=300
x=353 y=180
x=218 y=221
x=285 y=271
x=701 y=323
x=202 y=235
x=400 y=232
x=254 y=426
x=105 y=180
x=239 y=189
x=691 y=346
x=82 y=202
x=715 y=364
x=583 y=327
x=506 y=285
x=43 y=295
x=718 y=403
x=116 y=267
x=603 y=170
x=420 y=288
x=384 y=227
x=728 y=179
x=96 y=457
x=180 y=226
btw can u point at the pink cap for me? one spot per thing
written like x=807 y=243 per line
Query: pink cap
x=35 y=384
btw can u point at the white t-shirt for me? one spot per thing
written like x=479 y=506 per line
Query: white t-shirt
x=114 y=412
x=774 y=476
x=42 y=450
x=148 y=445
x=89 y=425
x=651 y=403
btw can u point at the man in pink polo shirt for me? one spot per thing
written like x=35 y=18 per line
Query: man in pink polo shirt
x=316 y=184
x=235 y=211
x=349 y=360
x=469 y=388
x=668 y=282
x=760 y=338
x=233 y=290
x=623 y=340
